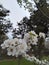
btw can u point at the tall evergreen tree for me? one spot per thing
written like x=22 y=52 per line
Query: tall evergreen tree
x=5 y=25
x=38 y=19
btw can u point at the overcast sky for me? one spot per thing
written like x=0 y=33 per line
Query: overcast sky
x=16 y=13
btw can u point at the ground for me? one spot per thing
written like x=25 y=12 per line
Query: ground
x=20 y=62
x=15 y=62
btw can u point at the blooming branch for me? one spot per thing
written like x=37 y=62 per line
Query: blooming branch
x=17 y=47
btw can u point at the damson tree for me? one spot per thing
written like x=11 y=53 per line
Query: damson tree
x=38 y=21
x=19 y=48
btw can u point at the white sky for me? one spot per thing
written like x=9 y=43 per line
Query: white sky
x=16 y=13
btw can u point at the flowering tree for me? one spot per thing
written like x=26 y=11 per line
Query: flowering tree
x=32 y=45
x=22 y=47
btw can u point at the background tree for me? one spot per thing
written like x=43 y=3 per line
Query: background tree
x=39 y=4
x=5 y=25
x=38 y=19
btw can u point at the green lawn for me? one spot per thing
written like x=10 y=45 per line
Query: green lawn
x=15 y=62
x=23 y=61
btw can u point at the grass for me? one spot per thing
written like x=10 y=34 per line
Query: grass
x=46 y=57
x=15 y=62
x=22 y=61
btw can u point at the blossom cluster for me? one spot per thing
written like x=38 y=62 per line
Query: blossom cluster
x=16 y=47
x=34 y=59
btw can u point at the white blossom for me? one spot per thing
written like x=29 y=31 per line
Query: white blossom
x=42 y=34
x=47 y=42
x=26 y=36
x=31 y=38
x=6 y=44
x=22 y=47
x=33 y=33
x=11 y=51
x=16 y=47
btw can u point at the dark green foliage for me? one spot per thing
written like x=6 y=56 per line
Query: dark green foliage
x=37 y=22
x=5 y=26
x=39 y=19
